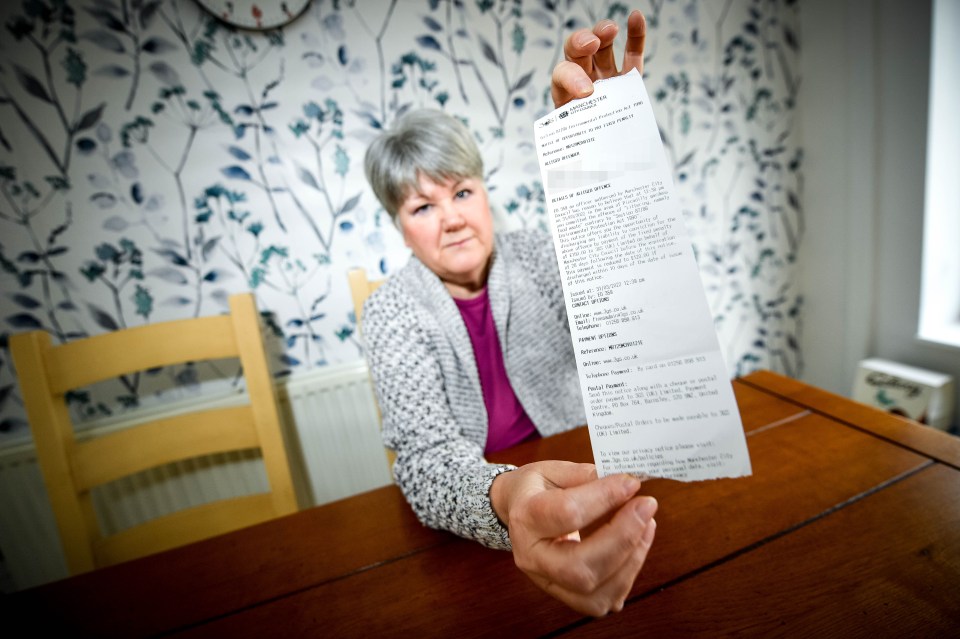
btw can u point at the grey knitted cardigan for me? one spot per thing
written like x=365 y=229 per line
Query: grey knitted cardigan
x=426 y=380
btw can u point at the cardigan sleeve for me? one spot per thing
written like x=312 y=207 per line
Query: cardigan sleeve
x=442 y=474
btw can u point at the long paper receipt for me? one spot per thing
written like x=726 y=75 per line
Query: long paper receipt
x=658 y=398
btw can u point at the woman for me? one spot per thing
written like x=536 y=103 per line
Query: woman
x=470 y=352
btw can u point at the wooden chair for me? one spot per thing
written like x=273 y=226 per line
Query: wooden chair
x=72 y=468
x=360 y=289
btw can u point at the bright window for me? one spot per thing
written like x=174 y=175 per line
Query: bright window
x=940 y=293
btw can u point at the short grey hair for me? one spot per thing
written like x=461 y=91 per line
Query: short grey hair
x=424 y=142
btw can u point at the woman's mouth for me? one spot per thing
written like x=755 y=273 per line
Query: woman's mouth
x=458 y=243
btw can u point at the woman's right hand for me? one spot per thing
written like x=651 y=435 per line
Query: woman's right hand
x=589 y=57
x=545 y=505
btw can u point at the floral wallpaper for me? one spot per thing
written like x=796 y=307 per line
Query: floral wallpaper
x=154 y=161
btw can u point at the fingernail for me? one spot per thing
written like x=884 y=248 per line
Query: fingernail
x=583 y=86
x=585 y=39
x=645 y=509
x=631 y=484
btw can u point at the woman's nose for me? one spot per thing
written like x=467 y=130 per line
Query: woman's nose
x=452 y=218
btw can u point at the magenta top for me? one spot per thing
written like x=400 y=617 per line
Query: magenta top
x=508 y=422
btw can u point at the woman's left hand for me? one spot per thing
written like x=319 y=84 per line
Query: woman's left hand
x=589 y=57
x=545 y=505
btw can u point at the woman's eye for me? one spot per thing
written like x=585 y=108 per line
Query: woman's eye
x=462 y=193
x=423 y=208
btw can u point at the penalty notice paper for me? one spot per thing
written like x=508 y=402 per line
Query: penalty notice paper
x=657 y=394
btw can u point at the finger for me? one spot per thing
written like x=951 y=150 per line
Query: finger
x=604 y=64
x=611 y=595
x=602 y=556
x=569 y=82
x=566 y=474
x=554 y=513
x=636 y=38
x=579 y=48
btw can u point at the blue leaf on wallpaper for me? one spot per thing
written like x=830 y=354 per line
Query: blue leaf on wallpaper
x=317 y=317
x=104 y=40
x=115 y=223
x=103 y=319
x=342 y=54
x=375 y=242
x=433 y=4
x=322 y=83
x=383 y=265
x=104 y=200
x=29 y=257
x=215 y=275
x=307 y=177
x=429 y=42
x=172 y=255
x=243 y=109
x=208 y=247
x=346 y=225
x=351 y=203
x=67 y=305
x=124 y=163
x=523 y=81
x=273 y=159
x=86 y=146
x=169 y=274
x=370 y=119
x=235 y=172
x=685 y=160
x=238 y=153
x=112 y=71
x=105 y=18
x=289 y=361
x=166 y=74
x=136 y=192
x=432 y=24
x=333 y=23
x=104 y=134
x=157 y=45
x=488 y=51
x=541 y=17
x=519 y=102
x=544 y=43
x=25 y=300
x=90 y=118
x=31 y=84
x=266 y=106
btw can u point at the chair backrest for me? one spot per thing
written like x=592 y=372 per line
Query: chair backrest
x=360 y=289
x=71 y=468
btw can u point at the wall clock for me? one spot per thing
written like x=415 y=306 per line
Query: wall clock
x=255 y=14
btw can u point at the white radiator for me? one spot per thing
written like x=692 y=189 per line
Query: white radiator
x=333 y=432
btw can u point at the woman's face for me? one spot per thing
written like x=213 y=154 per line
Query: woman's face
x=449 y=228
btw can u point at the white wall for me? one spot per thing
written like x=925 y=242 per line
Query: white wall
x=863 y=105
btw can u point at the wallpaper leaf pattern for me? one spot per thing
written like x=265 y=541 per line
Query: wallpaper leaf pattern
x=153 y=161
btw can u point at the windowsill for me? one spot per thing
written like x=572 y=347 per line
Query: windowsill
x=947 y=337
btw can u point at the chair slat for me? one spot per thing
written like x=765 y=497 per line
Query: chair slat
x=163 y=441
x=83 y=362
x=263 y=404
x=184 y=527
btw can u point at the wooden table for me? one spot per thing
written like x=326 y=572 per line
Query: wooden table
x=849 y=526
